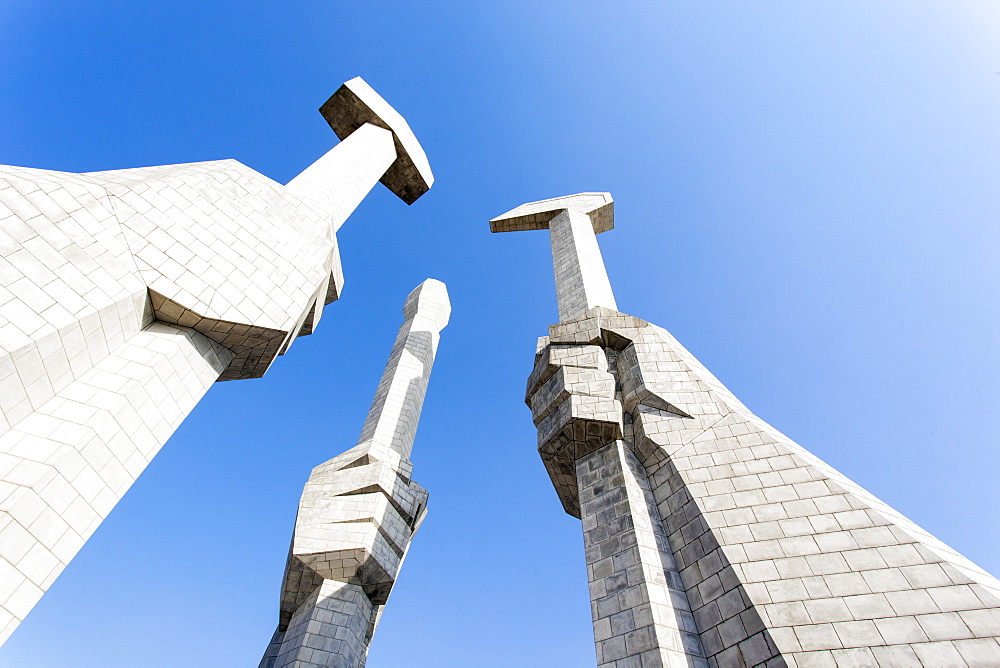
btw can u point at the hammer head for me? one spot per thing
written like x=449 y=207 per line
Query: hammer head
x=356 y=103
x=536 y=215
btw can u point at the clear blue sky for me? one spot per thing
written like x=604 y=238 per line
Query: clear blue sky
x=806 y=196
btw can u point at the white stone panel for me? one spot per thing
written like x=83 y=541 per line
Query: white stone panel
x=581 y=279
x=331 y=628
x=573 y=221
x=122 y=292
x=781 y=559
x=336 y=183
x=641 y=612
x=67 y=464
x=359 y=510
x=69 y=289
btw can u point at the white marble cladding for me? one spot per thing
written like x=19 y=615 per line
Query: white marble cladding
x=641 y=613
x=332 y=627
x=66 y=465
x=359 y=510
x=573 y=221
x=124 y=295
x=782 y=561
x=395 y=410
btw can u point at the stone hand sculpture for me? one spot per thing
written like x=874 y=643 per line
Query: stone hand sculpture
x=125 y=294
x=711 y=538
x=360 y=510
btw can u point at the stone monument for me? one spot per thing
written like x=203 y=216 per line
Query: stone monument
x=360 y=510
x=125 y=294
x=711 y=539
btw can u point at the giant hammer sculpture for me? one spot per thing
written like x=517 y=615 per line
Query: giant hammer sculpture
x=360 y=510
x=124 y=295
x=711 y=538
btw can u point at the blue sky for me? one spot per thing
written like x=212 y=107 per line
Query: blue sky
x=806 y=196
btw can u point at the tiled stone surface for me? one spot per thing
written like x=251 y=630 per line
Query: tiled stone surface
x=640 y=610
x=781 y=557
x=124 y=294
x=336 y=183
x=70 y=293
x=65 y=466
x=332 y=627
x=359 y=510
x=581 y=280
x=226 y=251
x=783 y=560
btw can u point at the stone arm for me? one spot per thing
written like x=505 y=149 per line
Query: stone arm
x=360 y=510
x=125 y=294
